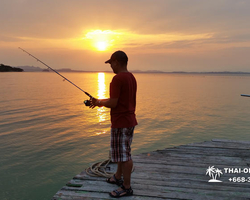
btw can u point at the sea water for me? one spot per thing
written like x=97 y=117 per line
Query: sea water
x=47 y=135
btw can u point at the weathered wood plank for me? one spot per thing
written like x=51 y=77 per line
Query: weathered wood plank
x=186 y=150
x=222 y=145
x=86 y=195
x=76 y=195
x=196 y=163
x=203 y=148
x=195 y=169
x=231 y=141
x=206 y=151
x=152 y=176
x=193 y=161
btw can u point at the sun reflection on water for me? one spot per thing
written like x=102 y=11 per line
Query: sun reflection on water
x=101 y=95
x=101 y=86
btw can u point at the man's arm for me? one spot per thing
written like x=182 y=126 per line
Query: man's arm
x=109 y=103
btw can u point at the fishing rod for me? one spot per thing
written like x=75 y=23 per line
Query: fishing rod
x=245 y=95
x=86 y=101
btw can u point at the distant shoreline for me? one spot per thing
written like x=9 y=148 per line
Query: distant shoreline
x=149 y=72
x=38 y=69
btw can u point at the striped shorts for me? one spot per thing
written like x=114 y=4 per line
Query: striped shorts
x=121 y=139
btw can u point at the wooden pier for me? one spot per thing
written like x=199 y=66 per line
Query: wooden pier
x=177 y=173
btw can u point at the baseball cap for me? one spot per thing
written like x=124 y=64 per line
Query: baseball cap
x=120 y=56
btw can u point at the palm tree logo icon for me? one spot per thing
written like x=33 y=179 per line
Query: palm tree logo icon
x=213 y=173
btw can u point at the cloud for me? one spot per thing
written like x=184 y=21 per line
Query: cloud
x=177 y=33
x=4 y=38
x=61 y=18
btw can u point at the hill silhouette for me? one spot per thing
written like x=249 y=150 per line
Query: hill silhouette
x=6 y=68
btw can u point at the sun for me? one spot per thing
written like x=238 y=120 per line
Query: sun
x=101 y=45
x=100 y=40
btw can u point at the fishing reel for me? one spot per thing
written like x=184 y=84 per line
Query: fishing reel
x=87 y=102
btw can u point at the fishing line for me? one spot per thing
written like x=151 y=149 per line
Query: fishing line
x=56 y=72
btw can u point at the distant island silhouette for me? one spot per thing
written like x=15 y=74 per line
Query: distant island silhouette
x=6 y=68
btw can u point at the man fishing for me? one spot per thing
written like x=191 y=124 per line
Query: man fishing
x=122 y=102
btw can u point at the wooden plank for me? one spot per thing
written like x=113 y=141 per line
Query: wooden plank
x=152 y=176
x=222 y=145
x=231 y=141
x=84 y=195
x=76 y=195
x=170 y=172
x=195 y=153
x=205 y=148
x=223 y=161
x=203 y=161
x=198 y=148
x=206 y=151
x=195 y=169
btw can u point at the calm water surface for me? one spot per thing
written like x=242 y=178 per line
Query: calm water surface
x=47 y=135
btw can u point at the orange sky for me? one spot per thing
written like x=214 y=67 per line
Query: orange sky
x=167 y=35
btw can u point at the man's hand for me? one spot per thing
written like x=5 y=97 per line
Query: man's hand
x=93 y=102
